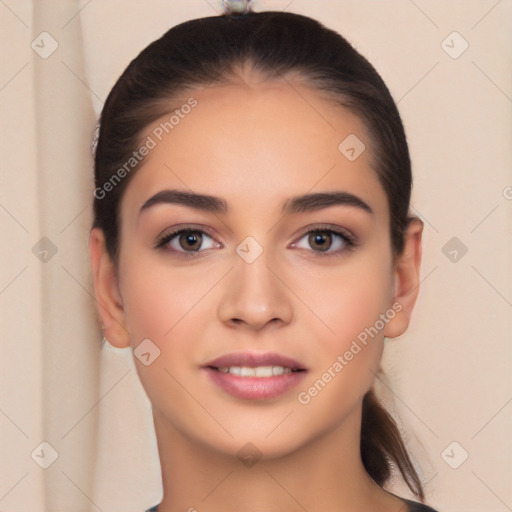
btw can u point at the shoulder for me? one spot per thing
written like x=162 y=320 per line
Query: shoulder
x=418 y=507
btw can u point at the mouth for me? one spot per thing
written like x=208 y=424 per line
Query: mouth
x=254 y=376
x=258 y=371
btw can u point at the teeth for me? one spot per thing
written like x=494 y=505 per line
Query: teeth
x=279 y=370
x=247 y=372
x=259 y=371
x=263 y=371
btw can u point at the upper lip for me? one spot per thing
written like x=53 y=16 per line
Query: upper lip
x=254 y=359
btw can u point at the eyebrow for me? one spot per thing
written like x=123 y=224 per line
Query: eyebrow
x=317 y=201
x=299 y=204
x=198 y=201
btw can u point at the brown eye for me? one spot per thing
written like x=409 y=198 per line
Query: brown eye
x=187 y=240
x=320 y=240
x=191 y=240
x=324 y=241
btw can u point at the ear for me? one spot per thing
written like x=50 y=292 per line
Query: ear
x=406 y=280
x=106 y=290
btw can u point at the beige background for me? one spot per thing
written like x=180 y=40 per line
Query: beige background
x=449 y=374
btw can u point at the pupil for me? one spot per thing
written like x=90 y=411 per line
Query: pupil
x=321 y=240
x=193 y=240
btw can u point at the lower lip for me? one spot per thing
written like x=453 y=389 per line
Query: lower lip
x=254 y=388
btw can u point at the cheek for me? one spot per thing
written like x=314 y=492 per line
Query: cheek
x=165 y=307
x=347 y=369
x=350 y=298
x=157 y=299
x=351 y=302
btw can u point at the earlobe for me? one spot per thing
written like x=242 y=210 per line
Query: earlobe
x=106 y=291
x=406 y=280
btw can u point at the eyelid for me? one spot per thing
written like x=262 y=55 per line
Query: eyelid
x=184 y=226
x=348 y=238
x=170 y=233
x=328 y=227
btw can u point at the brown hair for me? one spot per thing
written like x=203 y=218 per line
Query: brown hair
x=211 y=50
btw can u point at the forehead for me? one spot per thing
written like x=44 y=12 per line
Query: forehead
x=257 y=144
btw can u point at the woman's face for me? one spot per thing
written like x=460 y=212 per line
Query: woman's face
x=248 y=284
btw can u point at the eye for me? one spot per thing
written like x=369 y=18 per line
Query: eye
x=188 y=240
x=325 y=241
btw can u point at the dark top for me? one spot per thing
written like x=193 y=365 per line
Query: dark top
x=413 y=507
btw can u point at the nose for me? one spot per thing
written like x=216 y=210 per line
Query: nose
x=255 y=296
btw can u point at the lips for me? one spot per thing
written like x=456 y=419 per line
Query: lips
x=254 y=376
x=252 y=360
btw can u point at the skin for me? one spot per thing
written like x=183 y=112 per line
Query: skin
x=256 y=144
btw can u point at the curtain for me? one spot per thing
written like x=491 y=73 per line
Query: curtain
x=75 y=419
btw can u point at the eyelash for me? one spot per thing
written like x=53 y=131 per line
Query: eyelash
x=348 y=239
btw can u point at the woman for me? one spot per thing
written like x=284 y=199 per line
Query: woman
x=252 y=243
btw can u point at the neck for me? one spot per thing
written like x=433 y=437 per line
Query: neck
x=325 y=475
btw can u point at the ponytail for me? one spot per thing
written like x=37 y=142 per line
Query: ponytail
x=382 y=445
